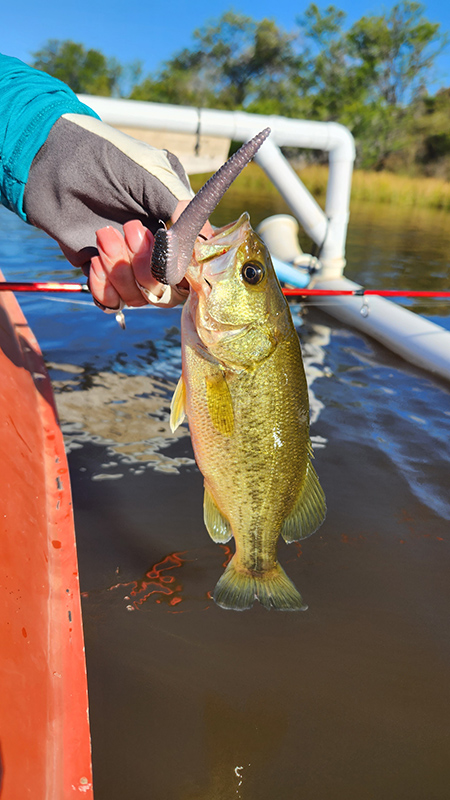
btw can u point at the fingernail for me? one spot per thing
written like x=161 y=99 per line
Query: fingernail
x=137 y=239
x=110 y=241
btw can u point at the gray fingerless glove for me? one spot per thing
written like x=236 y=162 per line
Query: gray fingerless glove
x=88 y=175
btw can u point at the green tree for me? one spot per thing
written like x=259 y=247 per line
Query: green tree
x=332 y=83
x=367 y=76
x=396 y=50
x=370 y=77
x=427 y=148
x=85 y=71
x=234 y=62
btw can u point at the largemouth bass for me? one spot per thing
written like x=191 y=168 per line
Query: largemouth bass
x=244 y=391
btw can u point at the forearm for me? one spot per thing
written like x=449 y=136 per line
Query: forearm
x=88 y=175
x=30 y=103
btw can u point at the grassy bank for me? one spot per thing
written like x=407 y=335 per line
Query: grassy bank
x=376 y=187
x=385 y=187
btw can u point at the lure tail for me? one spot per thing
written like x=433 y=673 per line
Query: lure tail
x=238 y=589
x=172 y=250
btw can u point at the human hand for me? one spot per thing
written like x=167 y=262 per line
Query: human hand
x=121 y=275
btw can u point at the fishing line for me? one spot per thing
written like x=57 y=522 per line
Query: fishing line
x=66 y=300
x=316 y=249
x=198 y=132
x=92 y=304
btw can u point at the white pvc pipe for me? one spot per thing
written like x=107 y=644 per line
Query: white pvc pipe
x=137 y=114
x=411 y=336
x=414 y=338
x=328 y=230
x=239 y=125
x=337 y=209
x=297 y=196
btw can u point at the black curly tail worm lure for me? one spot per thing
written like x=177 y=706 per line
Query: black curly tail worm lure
x=172 y=250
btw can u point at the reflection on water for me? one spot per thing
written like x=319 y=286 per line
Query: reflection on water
x=402 y=248
x=404 y=412
x=129 y=413
x=187 y=701
x=157 y=583
x=129 y=409
x=161 y=585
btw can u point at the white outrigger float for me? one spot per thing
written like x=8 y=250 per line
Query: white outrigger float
x=410 y=335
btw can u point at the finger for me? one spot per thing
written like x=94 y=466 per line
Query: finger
x=100 y=286
x=116 y=263
x=139 y=242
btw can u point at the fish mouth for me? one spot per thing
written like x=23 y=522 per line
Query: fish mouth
x=213 y=256
x=223 y=240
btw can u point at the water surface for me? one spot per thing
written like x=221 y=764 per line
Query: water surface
x=347 y=701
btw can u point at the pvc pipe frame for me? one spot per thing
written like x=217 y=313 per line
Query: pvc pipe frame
x=416 y=339
x=328 y=230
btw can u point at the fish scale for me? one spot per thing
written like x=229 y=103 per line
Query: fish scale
x=260 y=465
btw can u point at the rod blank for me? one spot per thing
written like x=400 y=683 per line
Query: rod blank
x=53 y=286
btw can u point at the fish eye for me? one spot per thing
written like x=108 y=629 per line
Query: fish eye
x=252 y=273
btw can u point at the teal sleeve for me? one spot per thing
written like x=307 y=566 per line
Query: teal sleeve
x=30 y=103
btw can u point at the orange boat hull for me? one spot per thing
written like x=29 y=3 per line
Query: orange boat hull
x=44 y=726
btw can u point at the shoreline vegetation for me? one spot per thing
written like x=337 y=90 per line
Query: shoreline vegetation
x=367 y=186
x=372 y=75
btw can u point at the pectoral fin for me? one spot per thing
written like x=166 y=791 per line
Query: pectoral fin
x=220 y=405
x=309 y=510
x=178 y=405
x=217 y=525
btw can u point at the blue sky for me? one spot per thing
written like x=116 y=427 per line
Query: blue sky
x=152 y=32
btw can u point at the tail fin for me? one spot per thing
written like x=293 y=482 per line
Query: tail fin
x=237 y=589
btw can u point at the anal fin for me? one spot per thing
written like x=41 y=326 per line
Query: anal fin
x=217 y=525
x=309 y=510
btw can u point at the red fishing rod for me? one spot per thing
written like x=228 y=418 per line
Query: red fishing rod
x=362 y=293
x=42 y=286
x=53 y=286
